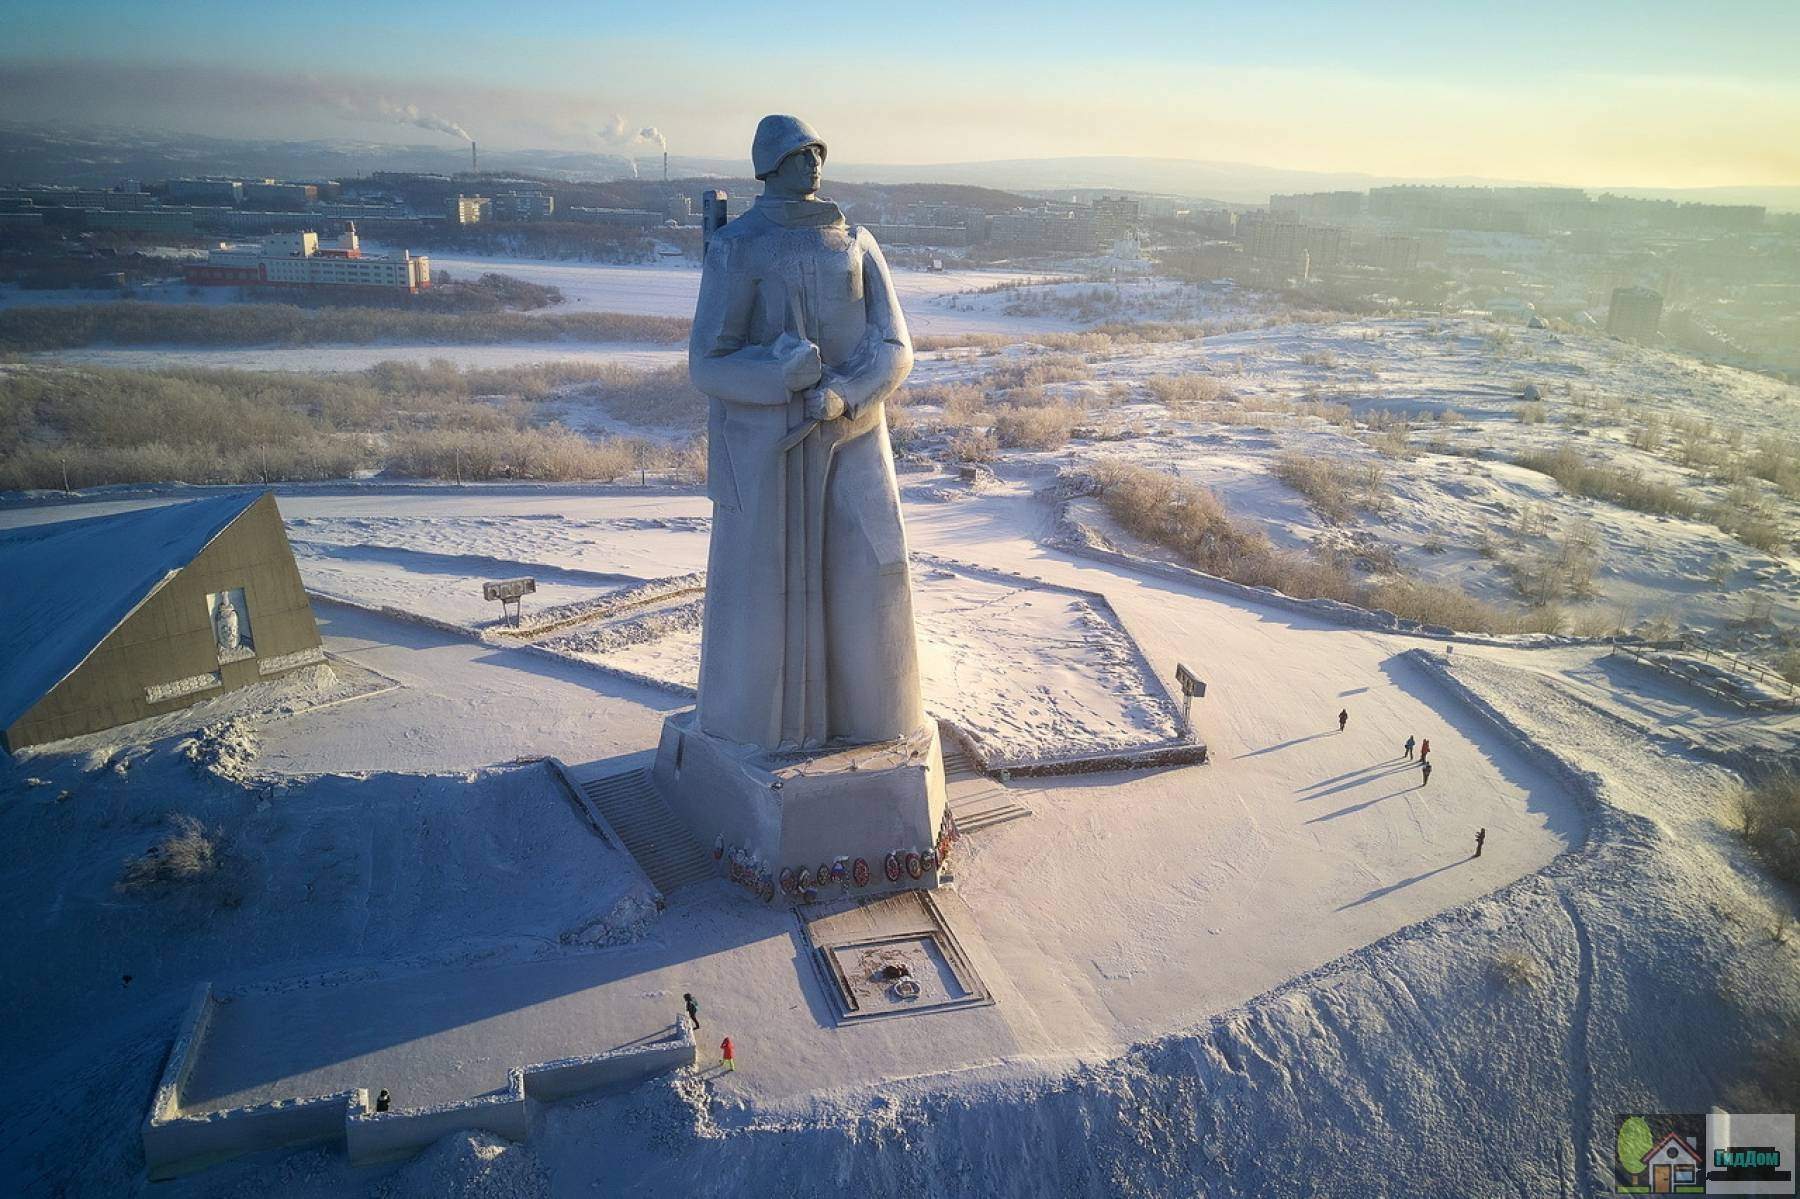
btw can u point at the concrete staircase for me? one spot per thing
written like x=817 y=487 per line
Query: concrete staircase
x=976 y=801
x=663 y=847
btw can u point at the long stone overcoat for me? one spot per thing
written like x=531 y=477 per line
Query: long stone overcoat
x=808 y=630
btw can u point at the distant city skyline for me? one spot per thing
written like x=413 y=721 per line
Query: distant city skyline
x=1650 y=94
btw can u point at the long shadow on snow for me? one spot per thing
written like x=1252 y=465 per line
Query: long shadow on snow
x=267 y=1030
x=1562 y=813
x=1372 y=774
x=1372 y=896
x=389 y=632
x=432 y=563
x=1367 y=803
x=1269 y=749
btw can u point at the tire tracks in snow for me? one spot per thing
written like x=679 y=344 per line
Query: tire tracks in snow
x=1581 y=1071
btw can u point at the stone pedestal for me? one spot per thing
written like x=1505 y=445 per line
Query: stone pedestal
x=776 y=811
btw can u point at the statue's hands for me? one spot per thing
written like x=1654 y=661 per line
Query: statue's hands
x=801 y=366
x=823 y=403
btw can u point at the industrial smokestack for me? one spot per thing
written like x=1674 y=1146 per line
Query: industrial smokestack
x=665 y=166
x=474 y=162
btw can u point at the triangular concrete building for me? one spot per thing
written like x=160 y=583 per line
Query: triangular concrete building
x=114 y=618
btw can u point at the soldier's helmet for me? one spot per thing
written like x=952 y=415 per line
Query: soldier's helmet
x=777 y=137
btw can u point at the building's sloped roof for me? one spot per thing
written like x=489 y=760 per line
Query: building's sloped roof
x=68 y=584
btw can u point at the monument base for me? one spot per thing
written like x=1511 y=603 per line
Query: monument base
x=842 y=820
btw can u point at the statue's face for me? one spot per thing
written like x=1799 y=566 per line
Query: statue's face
x=798 y=174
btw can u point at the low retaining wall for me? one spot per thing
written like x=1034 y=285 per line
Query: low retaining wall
x=372 y=1136
x=1149 y=757
x=1178 y=752
x=573 y=1075
x=176 y=1143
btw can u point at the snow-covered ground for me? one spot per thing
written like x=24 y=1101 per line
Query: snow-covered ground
x=930 y=298
x=1197 y=982
x=1224 y=979
x=1455 y=508
x=336 y=359
x=1030 y=672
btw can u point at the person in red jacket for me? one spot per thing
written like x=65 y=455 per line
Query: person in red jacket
x=1424 y=749
x=730 y=1056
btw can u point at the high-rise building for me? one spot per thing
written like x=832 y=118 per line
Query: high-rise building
x=1634 y=314
x=205 y=191
x=300 y=260
x=267 y=193
x=1318 y=206
x=1052 y=229
x=1115 y=218
x=1291 y=241
x=470 y=210
x=523 y=206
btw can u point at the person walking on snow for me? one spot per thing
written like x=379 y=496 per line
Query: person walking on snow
x=730 y=1057
x=1424 y=749
x=1480 y=839
x=1409 y=748
x=693 y=1008
x=1343 y=718
x=1425 y=773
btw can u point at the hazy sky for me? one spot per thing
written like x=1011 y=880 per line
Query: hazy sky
x=1648 y=93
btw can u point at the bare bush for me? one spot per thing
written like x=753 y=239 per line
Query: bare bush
x=1180 y=392
x=1516 y=967
x=187 y=855
x=1037 y=370
x=548 y=455
x=67 y=327
x=1038 y=427
x=927 y=342
x=1182 y=516
x=1336 y=490
x=1778 y=461
x=1191 y=521
x=1562 y=570
x=1618 y=485
x=1747 y=514
x=1766 y=812
x=1788 y=665
x=974 y=445
x=218 y=427
x=1531 y=413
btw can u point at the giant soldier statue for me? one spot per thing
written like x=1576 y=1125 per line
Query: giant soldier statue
x=807 y=648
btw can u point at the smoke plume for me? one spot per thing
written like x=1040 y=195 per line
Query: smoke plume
x=380 y=108
x=617 y=134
